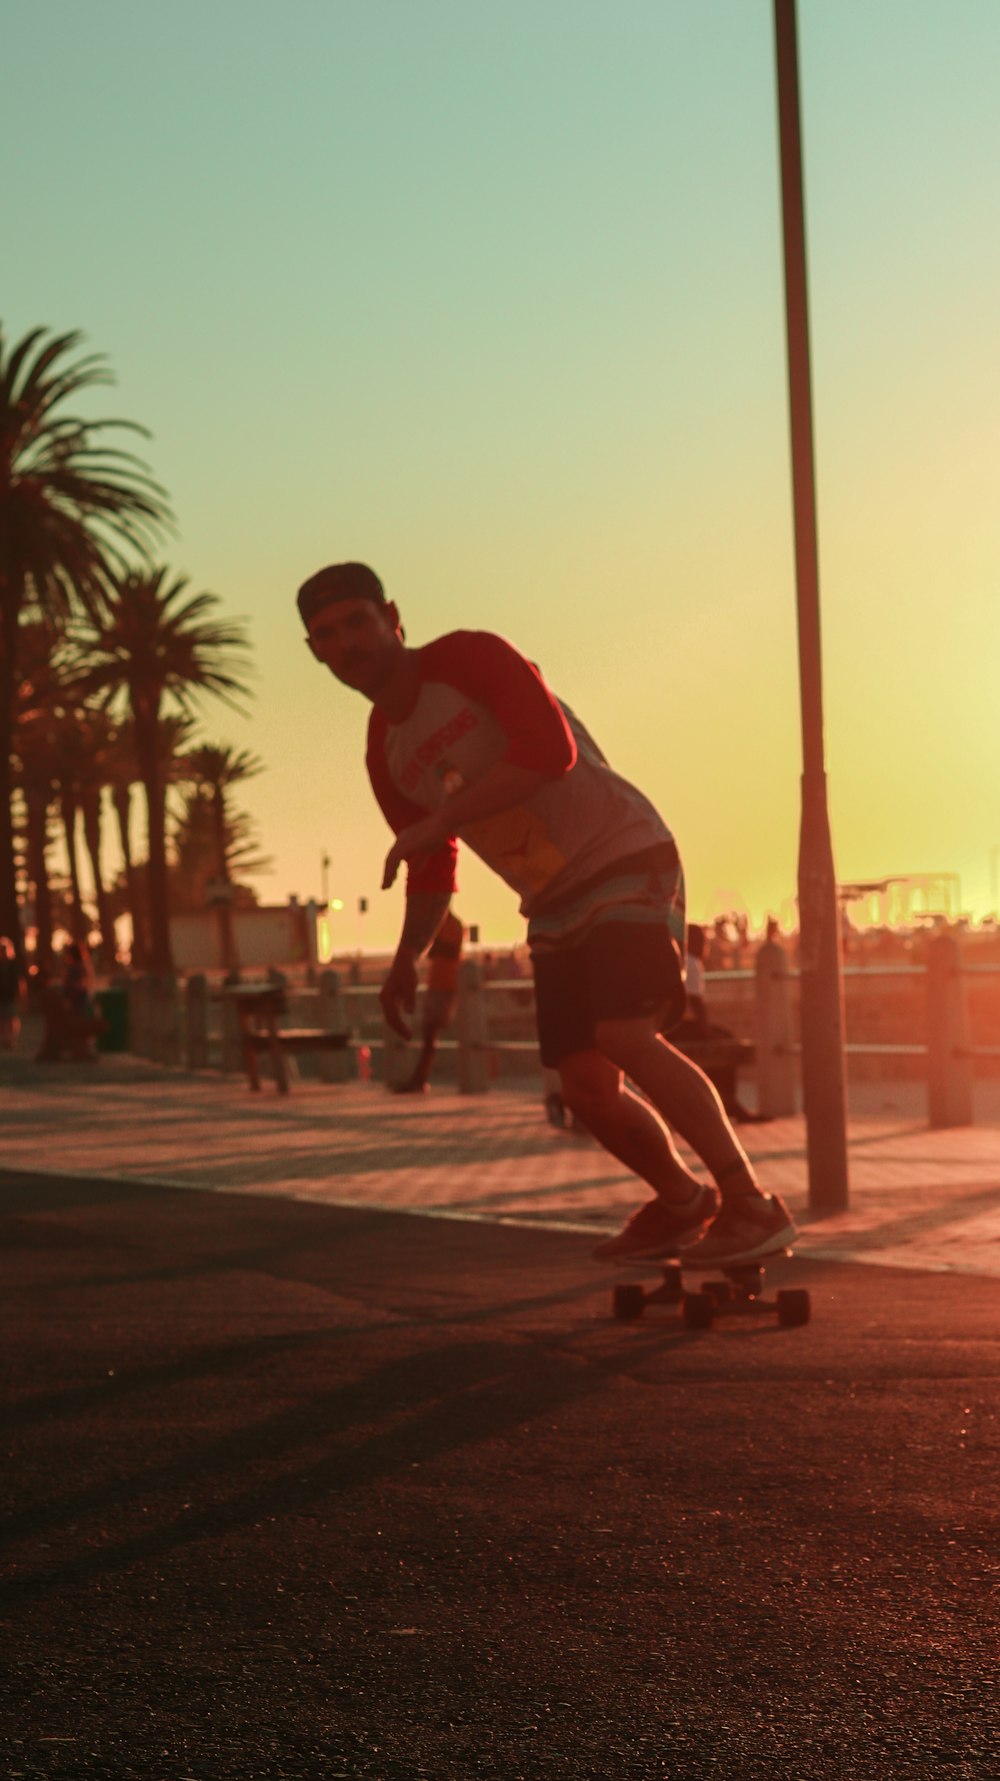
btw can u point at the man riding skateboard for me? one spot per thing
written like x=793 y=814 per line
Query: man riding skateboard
x=467 y=742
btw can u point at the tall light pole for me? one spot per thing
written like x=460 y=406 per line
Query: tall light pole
x=823 y=1074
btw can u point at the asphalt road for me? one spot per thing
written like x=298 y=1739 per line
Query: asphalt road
x=299 y=1492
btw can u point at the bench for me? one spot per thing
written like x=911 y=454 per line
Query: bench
x=258 y=1008
x=67 y=1034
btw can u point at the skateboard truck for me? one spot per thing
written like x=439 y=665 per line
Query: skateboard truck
x=741 y=1290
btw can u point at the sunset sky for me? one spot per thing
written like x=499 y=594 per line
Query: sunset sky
x=491 y=298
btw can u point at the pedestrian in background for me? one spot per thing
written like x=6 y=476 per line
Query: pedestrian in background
x=10 y=995
x=440 y=996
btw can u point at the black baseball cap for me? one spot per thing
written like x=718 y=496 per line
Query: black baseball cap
x=339 y=581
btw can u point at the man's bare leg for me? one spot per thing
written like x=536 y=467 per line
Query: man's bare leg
x=683 y=1095
x=750 y=1225
x=594 y=1090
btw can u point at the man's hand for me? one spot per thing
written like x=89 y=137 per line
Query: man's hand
x=419 y=839
x=398 y=992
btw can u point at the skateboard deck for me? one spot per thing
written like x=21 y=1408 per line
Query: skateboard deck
x=740 y=1290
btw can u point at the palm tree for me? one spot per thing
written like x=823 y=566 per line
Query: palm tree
x=39 y=699
x=96 y=745
x=215 y=768
x=73 y=510
x=121 y=774
x=194 y=851
x=33 y=777
x=155 y=653
x=62 y=753
x=65 y=758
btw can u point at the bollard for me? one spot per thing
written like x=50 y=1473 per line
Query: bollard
x=196 y=1022
x=473 y=1037
x=949 y=1064
x=775 y=1033
x=166 y=1020
x=334 y=1066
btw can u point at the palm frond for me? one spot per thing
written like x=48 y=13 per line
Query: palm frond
x=75 y=506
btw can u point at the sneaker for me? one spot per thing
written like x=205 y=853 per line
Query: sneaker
x=747 y=1227
x=658 y=1228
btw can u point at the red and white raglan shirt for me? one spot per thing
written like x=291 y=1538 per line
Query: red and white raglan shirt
x=584 y=846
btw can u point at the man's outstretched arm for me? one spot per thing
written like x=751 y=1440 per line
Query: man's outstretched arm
x=425 y=911
x=501 y=787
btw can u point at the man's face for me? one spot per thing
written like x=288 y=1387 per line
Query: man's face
x=358 y=641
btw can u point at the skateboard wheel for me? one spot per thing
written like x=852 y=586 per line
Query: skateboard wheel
x=793 y=1307
x=628 y=1303
x=698 y=1310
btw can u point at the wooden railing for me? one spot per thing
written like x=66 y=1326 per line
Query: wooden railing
x=197 y=1027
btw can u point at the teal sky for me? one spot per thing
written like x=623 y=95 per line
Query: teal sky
x=491 y=298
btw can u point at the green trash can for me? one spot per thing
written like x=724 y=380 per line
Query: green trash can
x=112 y=1004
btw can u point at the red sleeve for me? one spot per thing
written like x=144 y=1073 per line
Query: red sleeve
x=437 y=871
x=494 y=673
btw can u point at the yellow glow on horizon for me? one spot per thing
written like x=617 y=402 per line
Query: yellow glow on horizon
x=536 y=378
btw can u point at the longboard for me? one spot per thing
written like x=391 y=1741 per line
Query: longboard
x=740 y=1290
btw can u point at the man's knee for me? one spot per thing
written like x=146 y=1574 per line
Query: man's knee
x=591 y=1086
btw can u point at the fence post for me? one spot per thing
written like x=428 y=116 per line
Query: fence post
x=196 y=1022
x=949 y=1065
x=230 y=1049
x=139 y=1013
x=775 y=1044
x=473 y=1037
x=134 y=1016
x=334 y=1066
x=166 y=1021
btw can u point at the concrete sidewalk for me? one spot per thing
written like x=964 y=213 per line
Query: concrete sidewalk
x=919 y=1199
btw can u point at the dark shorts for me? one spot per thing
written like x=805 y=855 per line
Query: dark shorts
x=619 y=970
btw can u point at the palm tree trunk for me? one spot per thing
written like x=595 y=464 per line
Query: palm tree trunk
x=147 y=748
x=10 y=916
x=121 y=798
x=37 y=825
x=92 y=826
x=225 y=907
x=79 y=925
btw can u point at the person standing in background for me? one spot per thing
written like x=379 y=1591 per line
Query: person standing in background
x=440 y=996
